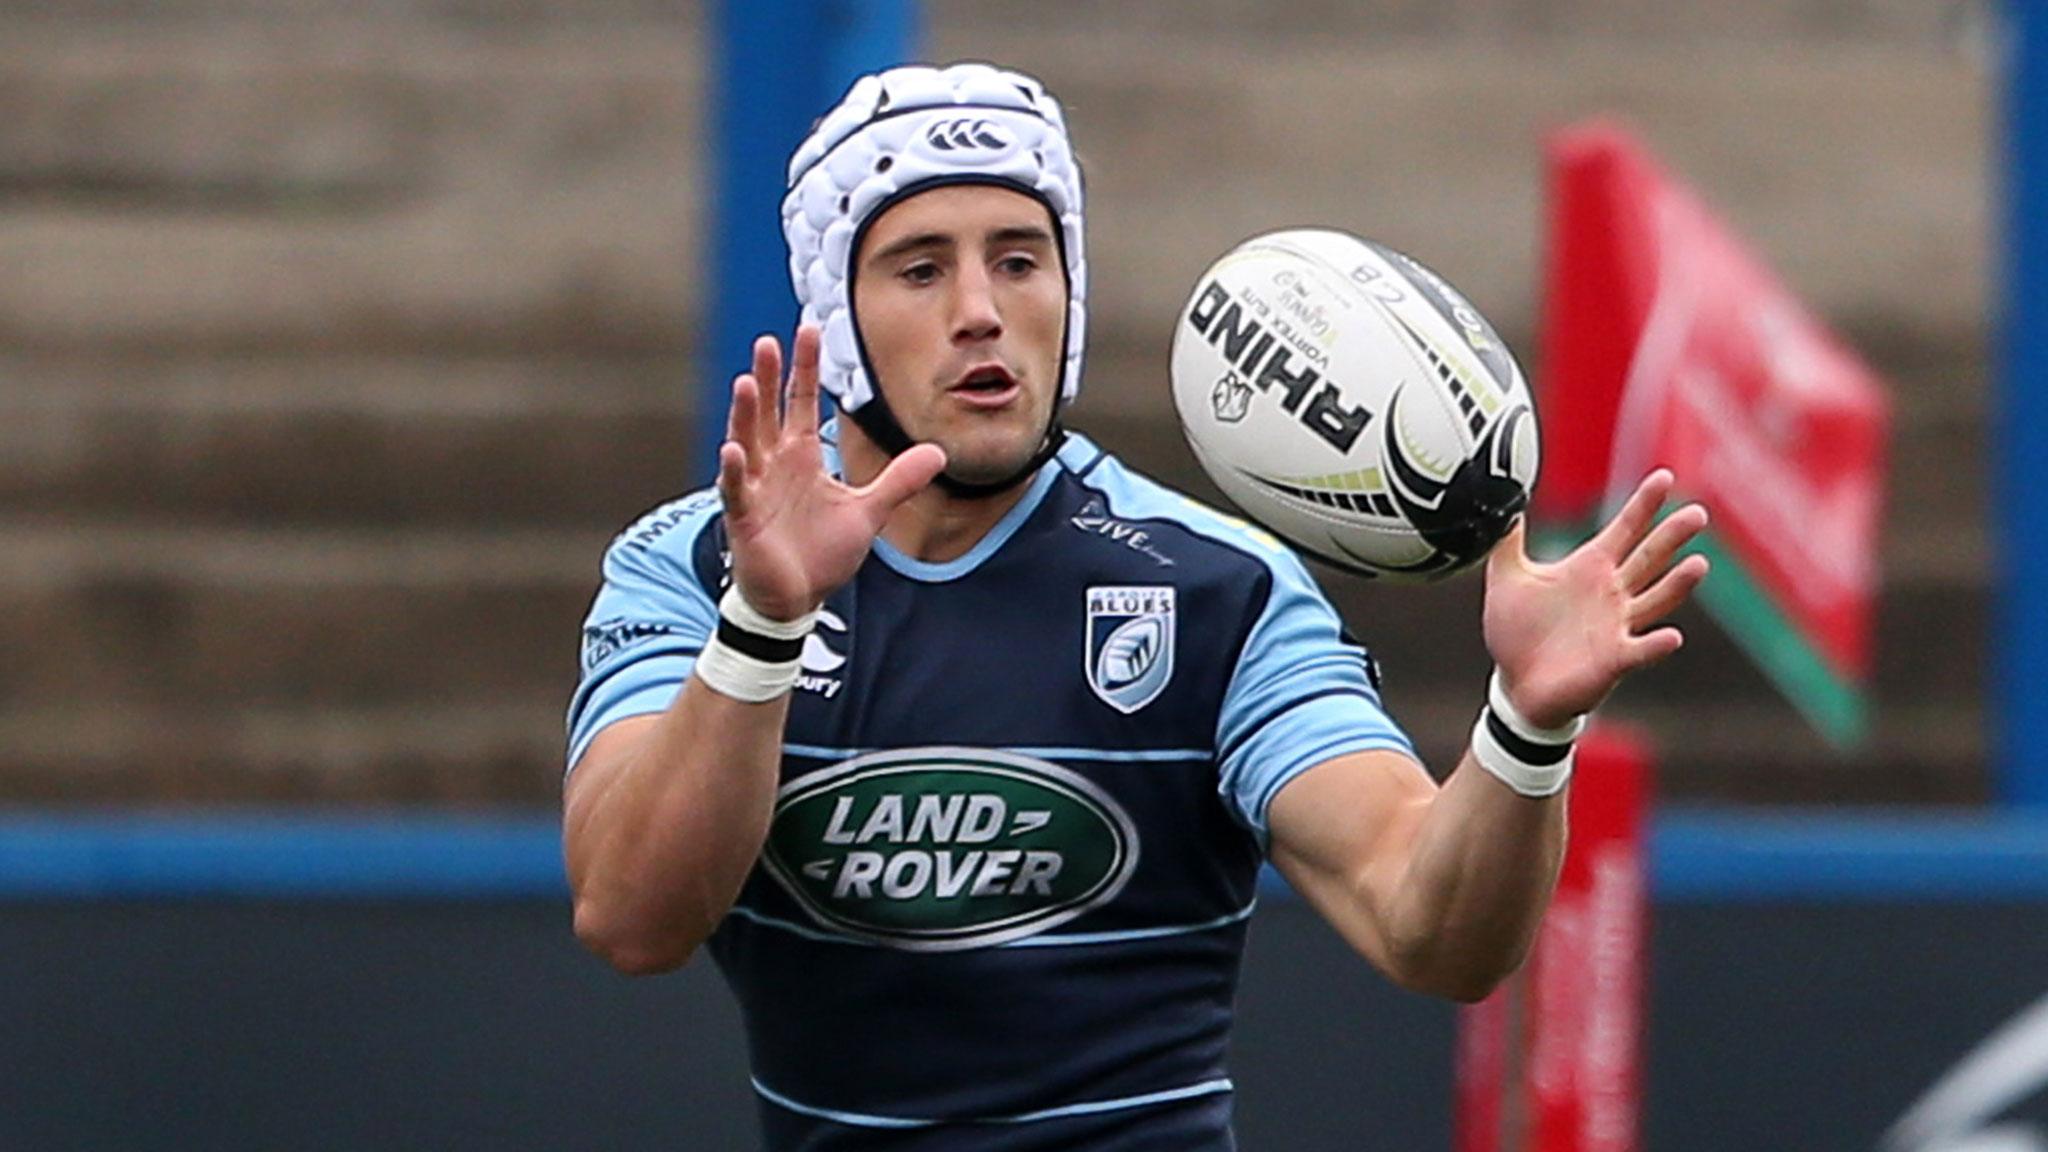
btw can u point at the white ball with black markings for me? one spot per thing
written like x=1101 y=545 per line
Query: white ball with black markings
x=1352 y=401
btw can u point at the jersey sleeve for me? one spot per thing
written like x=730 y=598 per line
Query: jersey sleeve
x=1302 y=693
x=652 y=615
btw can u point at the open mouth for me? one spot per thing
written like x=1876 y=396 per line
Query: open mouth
x=988 y=380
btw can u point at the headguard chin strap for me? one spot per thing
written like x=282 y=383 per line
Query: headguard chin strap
x=875 y=419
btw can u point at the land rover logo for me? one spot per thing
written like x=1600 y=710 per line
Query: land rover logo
x=935 y=849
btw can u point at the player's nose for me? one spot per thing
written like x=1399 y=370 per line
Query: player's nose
x=975 y=315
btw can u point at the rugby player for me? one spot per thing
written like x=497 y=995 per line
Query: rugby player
x=960 y=744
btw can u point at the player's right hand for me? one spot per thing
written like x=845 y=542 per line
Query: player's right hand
x=796 y=532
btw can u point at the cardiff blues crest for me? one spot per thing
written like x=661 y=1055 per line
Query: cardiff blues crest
x=1130 y=643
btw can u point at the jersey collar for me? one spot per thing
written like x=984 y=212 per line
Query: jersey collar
x=1077 y=449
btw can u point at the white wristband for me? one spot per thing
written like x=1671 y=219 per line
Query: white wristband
x=1533 y=761
x=752 y=658
x=1525 y=777
x=734 y=607
x=1497 y=699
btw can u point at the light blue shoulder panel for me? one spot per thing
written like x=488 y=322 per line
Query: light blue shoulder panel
x=649 y=620
x=1300 y=693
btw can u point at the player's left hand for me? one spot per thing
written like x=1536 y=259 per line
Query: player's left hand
x=1565 y=633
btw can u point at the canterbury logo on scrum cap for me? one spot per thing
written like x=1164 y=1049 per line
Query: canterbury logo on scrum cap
x=965 y=135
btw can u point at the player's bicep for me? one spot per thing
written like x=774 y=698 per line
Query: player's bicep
x=604 y=756
x=1342 y=834
x=604 y=761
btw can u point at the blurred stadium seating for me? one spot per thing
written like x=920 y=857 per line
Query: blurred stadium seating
x=337 y=338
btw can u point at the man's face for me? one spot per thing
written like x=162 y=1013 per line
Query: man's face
x=962 y=304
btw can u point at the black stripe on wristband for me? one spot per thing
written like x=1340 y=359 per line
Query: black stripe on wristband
x=763 y=648
x=1527 y=751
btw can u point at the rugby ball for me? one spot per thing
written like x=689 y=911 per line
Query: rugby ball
x=1353 y=402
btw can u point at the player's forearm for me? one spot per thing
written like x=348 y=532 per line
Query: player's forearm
x=659 y=845
x=1478 y=879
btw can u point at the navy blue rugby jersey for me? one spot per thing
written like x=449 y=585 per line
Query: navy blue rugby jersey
x=1006 y=888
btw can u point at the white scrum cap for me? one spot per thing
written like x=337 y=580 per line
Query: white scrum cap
x=894 y=134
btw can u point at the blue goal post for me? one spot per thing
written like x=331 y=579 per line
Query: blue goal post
x=777 y=65
x=2020 y=410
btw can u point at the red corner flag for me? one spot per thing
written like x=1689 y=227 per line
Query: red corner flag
x=1665 y=342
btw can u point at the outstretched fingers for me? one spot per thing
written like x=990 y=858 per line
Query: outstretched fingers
x=1630 y=525
x=1651 y=647
x=802 y=416
x=743 y=421
x=1672 y=589
x=753 y=424
x=732 y=478
x=1653 y=556
x=768 y=376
